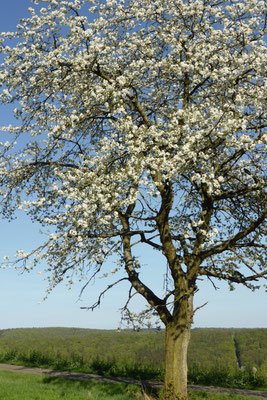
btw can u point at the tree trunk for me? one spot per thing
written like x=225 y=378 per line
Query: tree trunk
x=176 y=344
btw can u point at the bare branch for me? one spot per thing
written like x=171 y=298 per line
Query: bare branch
x=199 y=307
x=148 y=241
x=97 y=303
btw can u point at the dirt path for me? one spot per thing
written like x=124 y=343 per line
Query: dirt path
x=82 y=376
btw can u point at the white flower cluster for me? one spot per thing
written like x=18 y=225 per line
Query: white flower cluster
x=119 y=104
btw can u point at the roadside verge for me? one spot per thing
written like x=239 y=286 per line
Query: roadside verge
x=100 y=378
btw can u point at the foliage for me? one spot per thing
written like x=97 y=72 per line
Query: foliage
x=253 y=351
x=146 y=348
x=208 y=347
x=211 y=347
x=220 y=375
x=84 y=350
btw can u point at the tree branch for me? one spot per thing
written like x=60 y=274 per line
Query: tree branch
x=158 y=304
x=148 y=241
x=228 y=244
x=52 y=164
x=236 y=276
x=97 y=303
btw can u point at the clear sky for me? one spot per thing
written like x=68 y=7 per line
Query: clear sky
x=21 y=296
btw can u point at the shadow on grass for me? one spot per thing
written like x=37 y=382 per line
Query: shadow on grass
x=108 y=388
x=111 y=389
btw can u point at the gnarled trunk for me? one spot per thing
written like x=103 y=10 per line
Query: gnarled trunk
x=176 y=344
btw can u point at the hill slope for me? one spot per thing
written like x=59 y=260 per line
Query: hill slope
x=209 y=347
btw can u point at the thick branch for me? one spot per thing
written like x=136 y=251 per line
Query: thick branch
x=232 y=242
x=236 y=276
x=158 y=304
x=118 y=233
x=148 y=241
x=234 y=193
x=141 y=111
x=53 y=164
x=162 y=220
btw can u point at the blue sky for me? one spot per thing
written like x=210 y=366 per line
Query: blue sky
x=21 y=296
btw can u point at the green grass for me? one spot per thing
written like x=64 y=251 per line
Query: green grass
x=20 y=386
x=218 y=375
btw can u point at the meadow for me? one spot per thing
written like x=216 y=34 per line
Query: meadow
x=219 y=357
x=19 y=386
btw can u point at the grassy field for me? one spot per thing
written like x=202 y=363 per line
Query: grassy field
x=219 y=357
x=19 y=386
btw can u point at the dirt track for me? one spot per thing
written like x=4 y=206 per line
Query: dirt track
x=82 y=376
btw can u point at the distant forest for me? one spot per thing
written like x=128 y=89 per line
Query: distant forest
x=209 y=347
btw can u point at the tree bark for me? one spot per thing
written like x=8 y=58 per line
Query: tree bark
x=177 y=338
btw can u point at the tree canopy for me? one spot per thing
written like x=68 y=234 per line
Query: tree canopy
x=140 y=122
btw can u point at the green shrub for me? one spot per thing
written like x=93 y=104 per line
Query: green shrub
x=226 y=377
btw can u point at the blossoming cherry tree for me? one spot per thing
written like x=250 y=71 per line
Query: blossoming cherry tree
x=140 y=123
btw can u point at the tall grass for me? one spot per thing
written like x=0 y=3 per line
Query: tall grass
x=227 y=377
x=76 y=362
x=216 y=376
x=19 y=386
